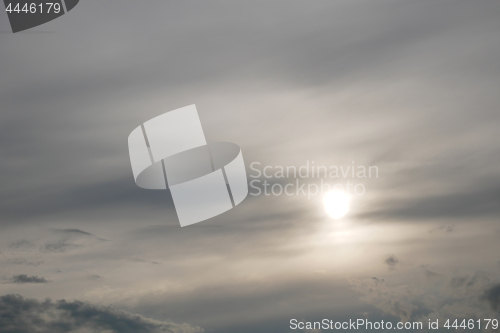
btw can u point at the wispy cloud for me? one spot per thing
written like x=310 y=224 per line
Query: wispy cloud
x=23 y=278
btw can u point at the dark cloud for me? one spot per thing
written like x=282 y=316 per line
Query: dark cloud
x=391 y=261
x=23 y=278
x=78 y=232
x=27 y=262
x=492 y=295
x=377 y=280
x=21 y=315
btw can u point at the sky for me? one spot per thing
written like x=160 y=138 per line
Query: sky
x=409 y=87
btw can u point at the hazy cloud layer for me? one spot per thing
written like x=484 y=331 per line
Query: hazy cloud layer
x=408 y=86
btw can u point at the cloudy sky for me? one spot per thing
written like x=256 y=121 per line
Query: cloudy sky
x=411 y=87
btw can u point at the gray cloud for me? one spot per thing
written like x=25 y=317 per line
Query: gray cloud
x=23 y=278
x=76 y=231
x=224 y=306
x=60 y=246
x=21 y=245
x=392 y=261
x=70 y=239
x=492 y=295
x=430 y=274
x=479 y=201
x=115 y=193
x=458 y=281
x=20 y=315
x=377 y=280
x=28 y=262
x=431 y=298
x=409 y=86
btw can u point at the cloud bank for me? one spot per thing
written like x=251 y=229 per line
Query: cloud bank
x=21 y=315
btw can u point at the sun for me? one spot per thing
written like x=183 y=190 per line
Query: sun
x=336 y=203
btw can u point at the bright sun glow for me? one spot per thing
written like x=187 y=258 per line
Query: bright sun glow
x=336 y=203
